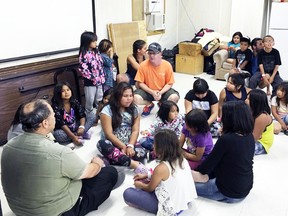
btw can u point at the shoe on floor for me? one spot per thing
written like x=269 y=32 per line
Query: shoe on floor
x=246 y=74
x=147 y=110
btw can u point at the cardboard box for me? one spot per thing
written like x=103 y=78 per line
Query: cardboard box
x=190 y=49
x=189 y=64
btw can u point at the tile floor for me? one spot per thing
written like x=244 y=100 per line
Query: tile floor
x=269 y=195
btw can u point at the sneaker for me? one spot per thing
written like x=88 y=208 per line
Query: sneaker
x=147 y=110
x=141 y=169
x=246 y=74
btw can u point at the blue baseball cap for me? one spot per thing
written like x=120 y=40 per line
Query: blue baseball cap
x=154 y=47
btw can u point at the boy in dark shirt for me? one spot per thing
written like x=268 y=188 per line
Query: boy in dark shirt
x=243 y=57
x=269 y=61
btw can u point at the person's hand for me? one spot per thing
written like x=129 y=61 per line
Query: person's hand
x=283 y=126
x=156 y=95
x=77 y=141
x=140 y=176
x=185 y=154
x=266 y=80
x=80 y=131
x=139 y=184
x=199 y=177
x=110 y=52
x=130 y=152
x=123 y=150
x=271 y=79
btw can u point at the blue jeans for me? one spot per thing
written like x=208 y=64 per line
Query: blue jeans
x=209 y=190
x=256 y=79
x=259 y=148
x=147 y=142
x=140 y=199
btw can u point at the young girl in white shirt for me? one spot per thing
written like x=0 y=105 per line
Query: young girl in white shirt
x=171 y=187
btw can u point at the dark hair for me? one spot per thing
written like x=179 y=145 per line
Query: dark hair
x=258 y=102
x=237 y=118
x=167 y=148
x=138 y=44
x=104 y=45
x=16 y=119
x=85 y=40
x=107 y=92
x=284 y=88
x=197 y=119
x=57 y=94
x=115 y=104
x=266 y=36
x=164 y=110
x=236 y=33
x=200 y=86
x=238 y=79
x=101 y=103
x=245 y=39
x=31 y=119
x=254 y=41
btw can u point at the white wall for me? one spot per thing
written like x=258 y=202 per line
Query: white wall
x=121 y=13
x=169 y=39
x=195 y=14
x=246 y=17
x=111 y=11
x=224 y=16
x=279 y=30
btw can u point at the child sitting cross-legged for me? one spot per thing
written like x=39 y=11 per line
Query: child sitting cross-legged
x=167 y=117
x=196 y=133
x=72 y=124
x=160 y=195
x=120 y=121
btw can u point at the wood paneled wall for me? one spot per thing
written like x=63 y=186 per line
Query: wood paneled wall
x=23 y=83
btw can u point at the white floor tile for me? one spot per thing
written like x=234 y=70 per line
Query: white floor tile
x=269 y=195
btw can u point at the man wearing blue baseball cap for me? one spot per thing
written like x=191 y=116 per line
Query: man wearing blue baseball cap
x=154 y=79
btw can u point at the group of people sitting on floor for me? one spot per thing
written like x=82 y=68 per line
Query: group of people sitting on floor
x=41 y=177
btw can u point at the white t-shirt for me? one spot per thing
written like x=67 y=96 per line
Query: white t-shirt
x=282 y=110
x=175 y=193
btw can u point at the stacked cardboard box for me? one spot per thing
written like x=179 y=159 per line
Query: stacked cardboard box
x=189 y=60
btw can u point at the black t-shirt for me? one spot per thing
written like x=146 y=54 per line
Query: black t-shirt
x=231 y=163
x=204 y=103
x=269 y=60
x=244 y=56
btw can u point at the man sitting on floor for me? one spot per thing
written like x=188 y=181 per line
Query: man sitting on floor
x=155 y=79
x=40 y=177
